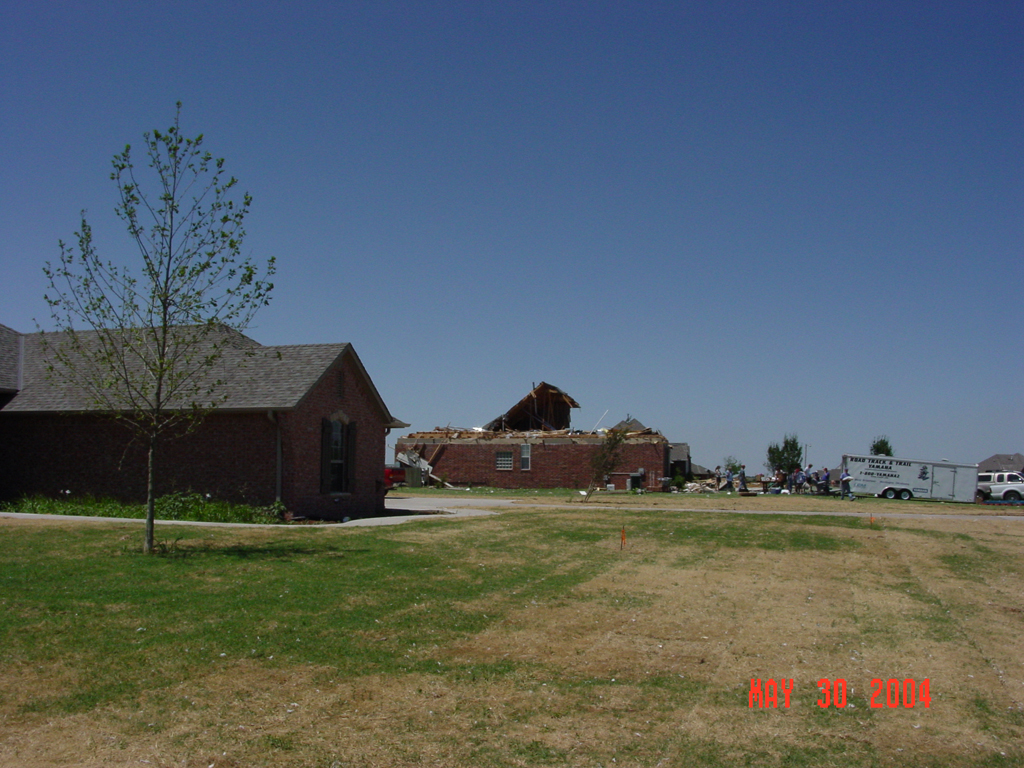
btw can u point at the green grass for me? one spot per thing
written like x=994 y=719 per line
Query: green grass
x=138 y=621
x=115 y=628
x=303 y=597
x=84 y=597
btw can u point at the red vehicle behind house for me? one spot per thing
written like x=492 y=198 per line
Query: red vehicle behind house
x=394 y=476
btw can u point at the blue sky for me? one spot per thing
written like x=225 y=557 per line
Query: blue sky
x=732 y=220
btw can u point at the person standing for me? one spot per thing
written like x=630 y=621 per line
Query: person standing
x=718 y=478
x=844 y=485
x=728 y=478
x=743 y=477
x=823 y=485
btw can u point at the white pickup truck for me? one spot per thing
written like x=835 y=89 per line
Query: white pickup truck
x=1000 y=486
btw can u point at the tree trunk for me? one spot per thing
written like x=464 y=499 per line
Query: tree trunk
x=147 y=546
x=590 y=491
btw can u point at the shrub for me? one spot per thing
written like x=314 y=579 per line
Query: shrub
x=191 y=507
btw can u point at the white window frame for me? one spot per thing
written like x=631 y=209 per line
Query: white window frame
x=503 y=461
x=524 y=457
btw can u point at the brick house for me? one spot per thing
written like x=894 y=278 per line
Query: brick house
x=533 y=446
x=302 y=424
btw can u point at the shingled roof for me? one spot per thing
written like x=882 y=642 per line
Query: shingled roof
x=630 y=424
x=10 y=359
x=1002 y=461
x=254 y=377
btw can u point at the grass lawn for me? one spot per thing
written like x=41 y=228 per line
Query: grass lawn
x=529 y=638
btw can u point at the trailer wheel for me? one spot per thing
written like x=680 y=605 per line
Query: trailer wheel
x=889 y=493
x=906 y=495
x=1011 y=496
x=980 y=497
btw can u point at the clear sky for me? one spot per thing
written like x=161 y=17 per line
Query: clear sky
x=730 y=220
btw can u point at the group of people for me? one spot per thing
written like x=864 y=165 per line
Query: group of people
x=740 y=476
x=800 y=480
x=810 y=480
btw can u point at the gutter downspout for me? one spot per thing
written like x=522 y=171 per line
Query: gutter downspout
x=278 y=473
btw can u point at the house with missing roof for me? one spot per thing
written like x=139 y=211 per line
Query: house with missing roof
x=532 y=445
x=300 y=424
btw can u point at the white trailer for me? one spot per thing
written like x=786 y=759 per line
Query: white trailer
x=911 y=479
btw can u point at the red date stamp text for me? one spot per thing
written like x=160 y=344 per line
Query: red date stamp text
x=891 y=693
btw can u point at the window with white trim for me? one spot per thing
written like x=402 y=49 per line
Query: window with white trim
x=524 y=456
x=503 y=460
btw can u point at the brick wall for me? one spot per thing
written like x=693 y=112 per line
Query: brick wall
x=554 y=462
x=230 y=456
x=301 y=433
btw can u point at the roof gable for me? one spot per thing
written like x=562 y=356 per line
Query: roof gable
x=545 y=408
x=630 y=424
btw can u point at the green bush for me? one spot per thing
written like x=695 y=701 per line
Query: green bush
x=191 y=507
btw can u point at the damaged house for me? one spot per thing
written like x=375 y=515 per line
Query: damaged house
x=532 y=445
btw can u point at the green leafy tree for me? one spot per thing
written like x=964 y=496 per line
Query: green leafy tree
x=145 y=343
x=731 y=462
x=606 y=458
x=786 y=457
x=880 y=446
